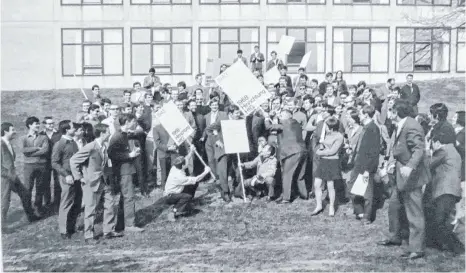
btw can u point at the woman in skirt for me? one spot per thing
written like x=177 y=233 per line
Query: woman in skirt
x=329 y=168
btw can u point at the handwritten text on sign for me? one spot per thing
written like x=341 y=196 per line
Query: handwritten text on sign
x=174 y=122
x=243 y=88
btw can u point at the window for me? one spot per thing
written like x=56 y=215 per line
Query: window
x=461 y=50
x=91 y=2
x=424 y=2
x=88 y=52
x=160 y=2
x=309 y=2
x=307 y=39
x=360 y=49
x=422 y=49
x=223 y=43
x=361 y=2
x=213 y=2
x=167 y=50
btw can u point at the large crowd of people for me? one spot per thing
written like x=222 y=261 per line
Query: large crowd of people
x=311 y=140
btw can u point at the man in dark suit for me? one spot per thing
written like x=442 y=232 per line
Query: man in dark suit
x=366 y=161
x=166 y=151
x=53 y=137
x=411 y=93
x=274 y=62
x=90 y=166
x=212 y=120
x=411 y=174
x=200 y=125
x=438 y=116
x=10 y=180
x=292 y=155
x=122 y=160
x=256 y=60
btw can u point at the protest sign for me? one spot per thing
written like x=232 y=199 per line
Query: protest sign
x=235 y=136
x=243 y=88
x=305 y=60
x=285 y=45
x=272 y=75
x=174 y=122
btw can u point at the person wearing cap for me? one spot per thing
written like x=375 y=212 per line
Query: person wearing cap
x=177 y=179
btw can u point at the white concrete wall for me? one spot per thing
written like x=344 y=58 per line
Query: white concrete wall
x=31 y=34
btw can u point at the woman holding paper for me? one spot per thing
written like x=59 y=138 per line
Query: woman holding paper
x=329 y=167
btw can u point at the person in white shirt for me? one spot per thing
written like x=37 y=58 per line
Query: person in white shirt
x=112 y=121
x=176 y=181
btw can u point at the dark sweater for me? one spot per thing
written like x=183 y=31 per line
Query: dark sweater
x=62 y=151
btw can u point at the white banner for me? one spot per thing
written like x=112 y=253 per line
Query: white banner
x=174 y=122
x=272 y=75
x=305 y=60
x=235 y=136
x=285 y=45
x=243 y=88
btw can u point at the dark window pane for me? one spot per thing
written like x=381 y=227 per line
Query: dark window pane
x=297 y=52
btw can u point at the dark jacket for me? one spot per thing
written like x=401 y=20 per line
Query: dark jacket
x=446 y=129
x=367 y=150
x=445 y=166
x=118 y=152
x=63 y=150
x=290 y=138
x=413 y=96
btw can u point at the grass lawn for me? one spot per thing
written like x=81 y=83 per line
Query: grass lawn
x=256 y=236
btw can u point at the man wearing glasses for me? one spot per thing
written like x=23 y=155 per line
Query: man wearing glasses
x=53 y=137
x=112 y=120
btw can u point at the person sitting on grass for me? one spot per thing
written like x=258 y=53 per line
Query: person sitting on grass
x=266 y=164
x=177 y=179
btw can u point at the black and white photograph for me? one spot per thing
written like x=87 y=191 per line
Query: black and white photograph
x=232 y=135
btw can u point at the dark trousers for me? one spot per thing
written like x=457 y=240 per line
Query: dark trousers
x=165 y=165
x=36 y=173
x=127 y=206
x=52 y=183
x=406 y=216
x=70 y=206
x=439 y=231
x=365 y=204
x=293 y=170
x=15 y=185
x=212 y=161
x=179 y=200
x=226 y=166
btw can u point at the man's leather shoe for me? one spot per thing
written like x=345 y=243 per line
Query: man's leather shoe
x=388 y=243
x=113 y=234
x=226 y=198
x=34 y=218
x=65 y=236
x=283 y=202
x=412 y=255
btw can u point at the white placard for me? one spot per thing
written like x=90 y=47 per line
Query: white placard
x=360 y=186
x=235 y=136
x=285 y=45
x=272 y=75
x=243 y=88
x=174 y=122
x=305 y=60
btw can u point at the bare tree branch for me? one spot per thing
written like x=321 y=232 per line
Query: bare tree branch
x=451 y=17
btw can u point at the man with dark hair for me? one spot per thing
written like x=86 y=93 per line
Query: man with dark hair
x=366 y=161
x=175 y=189
x=104 y=113
x=95 y=91
x=91 y=166
x=122 y=158
x=151 y=81
x=36 y=150
x=438 y=116
x=93 y=116
x=405 y=212
x=10 y=180
x=283 y=71
x=126 y=96
x=411 y=93
x=53 y=136
x=71 y=195
x=383 y=92
x=292 y=155
x=256 y=60
x=323 y=85
x=82 y=114
x=198 y=85
x=239 y=56
x=274 y=62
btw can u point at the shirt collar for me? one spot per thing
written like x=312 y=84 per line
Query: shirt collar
x=67 y=137
x=32 y=135
x=400 y=123
x=6 y=140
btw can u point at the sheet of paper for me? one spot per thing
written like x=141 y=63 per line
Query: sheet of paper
x=305 y=60
x=174 y=122
x=360 y=186
x=272 y=75
x=235 y=136
x=285 y=45
x=242 y=87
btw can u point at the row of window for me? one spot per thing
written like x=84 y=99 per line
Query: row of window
x=310 y=2
x=169 y=50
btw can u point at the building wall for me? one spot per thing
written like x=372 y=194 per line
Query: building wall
x=31 y=35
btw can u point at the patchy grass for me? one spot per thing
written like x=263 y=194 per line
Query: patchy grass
x=255 y=236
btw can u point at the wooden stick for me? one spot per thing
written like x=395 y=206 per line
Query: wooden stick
x=200 y=158
x=82 y=90
x=241 y=176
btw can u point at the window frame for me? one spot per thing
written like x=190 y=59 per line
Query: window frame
x=362 y=3
x=305 y=42
x=151 y=43
x=414 y=46
x=219 y=43
x=161 y=4
x=92 y=4
x=457 y=44
x=102 y=45
x=360 y=42
x=288 y=2
x=220 y=3
x=424 y=5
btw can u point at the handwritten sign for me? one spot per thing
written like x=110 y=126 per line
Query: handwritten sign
x=243 y=88
x=235 y=136
x=174 y=122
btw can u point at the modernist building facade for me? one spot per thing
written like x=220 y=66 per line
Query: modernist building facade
x=57 y=44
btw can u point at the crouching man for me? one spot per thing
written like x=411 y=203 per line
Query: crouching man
x=176 y=181
x=97 y=180
x=266 y=164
